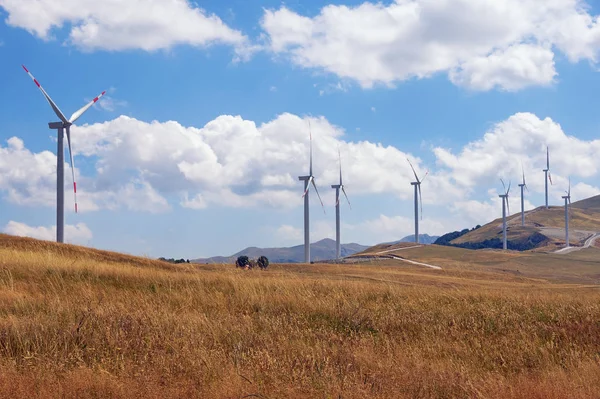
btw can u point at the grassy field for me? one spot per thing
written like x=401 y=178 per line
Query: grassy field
x=76 y=322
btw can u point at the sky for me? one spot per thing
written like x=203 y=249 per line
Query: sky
x=196 y=148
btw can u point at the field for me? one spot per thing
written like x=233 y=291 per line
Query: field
x=76 y=322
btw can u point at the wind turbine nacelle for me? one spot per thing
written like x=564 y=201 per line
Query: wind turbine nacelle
x=58 y=125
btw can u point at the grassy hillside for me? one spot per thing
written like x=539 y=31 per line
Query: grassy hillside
x=80 y=323
x=584 y=219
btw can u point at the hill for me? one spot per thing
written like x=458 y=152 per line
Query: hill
x=423 y=239
x=543 y=230
x=319 y=251
x=81 y=323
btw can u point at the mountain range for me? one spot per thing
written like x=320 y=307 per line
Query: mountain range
x=319 y=251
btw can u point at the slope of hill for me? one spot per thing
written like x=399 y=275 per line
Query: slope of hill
x=319 y=251
x=81 y=323
x=544 y=228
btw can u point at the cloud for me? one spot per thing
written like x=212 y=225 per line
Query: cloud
x=481 y=44
x=521 y=139
x=235 y=163
x=289 y=233
x=78 y=233
x=116 y=25
x=110 y=104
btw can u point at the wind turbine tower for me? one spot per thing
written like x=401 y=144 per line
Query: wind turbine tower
x=307 y=182
x=338 y=243
x=567 y=199
x=523 y=186
x=547 y=174
x=61 y=127
x=505 y=205
x=418 y=199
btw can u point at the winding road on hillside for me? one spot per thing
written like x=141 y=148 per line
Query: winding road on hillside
x=407 y=260
x=588 y=243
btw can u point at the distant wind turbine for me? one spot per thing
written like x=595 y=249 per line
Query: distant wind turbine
x=418 y=199
x=64 y=124
x=523 y=185
x=505 y=205
x=307 y=182
x=338 y=242
x=567 y=199
x=547 y=175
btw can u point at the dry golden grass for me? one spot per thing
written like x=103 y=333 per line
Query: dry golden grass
x=75 y=322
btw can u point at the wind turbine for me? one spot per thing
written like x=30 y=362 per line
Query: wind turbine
x=505 y=205
x=418 y=199
x=307 y=182
x=338 y=244
x=523 y=186
x=547 y=174
x=64 y=124
x=567 y=199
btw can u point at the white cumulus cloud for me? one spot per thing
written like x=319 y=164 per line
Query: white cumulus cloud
x=481 y=44
x=78 y=233
x=122 y=24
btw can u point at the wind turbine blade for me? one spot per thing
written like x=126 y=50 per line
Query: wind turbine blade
x=80 y=112
x=420 y=200
x=547 y=158
x=72 y=166
x=503 y=185
x=55 y=108
x=550 y=178
x=426 y=174
x=507 y=205
x=310 y=139
x=307 y=187
x=569 y=193
x=345 y=195
x=508 y=191
x=523 y=175
x=318 y=195
x=413 y=169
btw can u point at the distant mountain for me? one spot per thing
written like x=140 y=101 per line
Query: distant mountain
x=423 y=239
x=319 y=251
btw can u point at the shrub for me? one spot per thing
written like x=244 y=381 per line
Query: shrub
x=242 y=261
x=263 y=262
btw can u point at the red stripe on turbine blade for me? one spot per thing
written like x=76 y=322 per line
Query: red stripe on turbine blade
x=37 y=83
x=26 y=70
x=75 y=187
x=76 y=207
x=104 y=92
x=95 y=99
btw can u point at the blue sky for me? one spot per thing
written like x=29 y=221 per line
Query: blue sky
x=196 y=149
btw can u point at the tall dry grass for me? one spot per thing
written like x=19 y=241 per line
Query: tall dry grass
x=85 y=324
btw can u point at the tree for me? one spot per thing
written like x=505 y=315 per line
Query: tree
x=263 y=262
x=242 y=261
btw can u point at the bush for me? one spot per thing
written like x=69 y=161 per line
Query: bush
x=263 y=262
x=242 y=261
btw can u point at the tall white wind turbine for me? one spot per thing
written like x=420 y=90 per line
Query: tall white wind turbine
x=61 y=127
x=338 y=242
x=523 y=186
x=418 y=199
x=567 y=199
x=505 y=205
x=547 y=175
x=308 y=180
